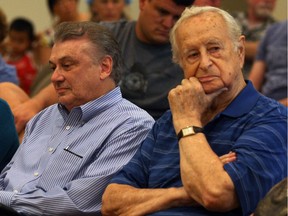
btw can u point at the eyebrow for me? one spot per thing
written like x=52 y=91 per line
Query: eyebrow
x=64 y=58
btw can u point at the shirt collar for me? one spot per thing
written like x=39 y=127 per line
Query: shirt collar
x=94 y=107
x=244 y=101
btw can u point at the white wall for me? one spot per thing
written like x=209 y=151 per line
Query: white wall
x=37 y=11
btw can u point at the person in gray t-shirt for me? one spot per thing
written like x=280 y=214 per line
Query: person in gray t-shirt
x=150 y=73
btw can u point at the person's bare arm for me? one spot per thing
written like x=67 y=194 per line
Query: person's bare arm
x=121 y=199
x=257 y=74
x=26 y=110
x=284 y=101
x=251 y=49
x=211 y=187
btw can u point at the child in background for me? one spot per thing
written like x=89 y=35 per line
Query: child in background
x=20 y=39
x=7 y=72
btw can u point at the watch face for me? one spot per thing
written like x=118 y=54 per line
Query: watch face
x=188 y=131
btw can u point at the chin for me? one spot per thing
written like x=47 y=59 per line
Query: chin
x=211 y=89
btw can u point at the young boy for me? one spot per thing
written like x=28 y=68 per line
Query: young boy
x=20 y=40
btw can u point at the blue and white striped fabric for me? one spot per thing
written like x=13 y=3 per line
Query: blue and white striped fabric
x=253 y=126
x=67 y=159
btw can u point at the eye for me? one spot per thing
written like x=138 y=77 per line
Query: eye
x=162 y=12
x=66 y=66
x=193 y=55
x=52 y=67
x=214 y=49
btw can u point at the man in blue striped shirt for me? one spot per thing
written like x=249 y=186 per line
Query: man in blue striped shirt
x=71 y=150
x=178 y=169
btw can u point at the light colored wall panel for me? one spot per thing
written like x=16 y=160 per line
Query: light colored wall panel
x=37 y=11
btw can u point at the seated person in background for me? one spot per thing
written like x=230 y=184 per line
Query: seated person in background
x=149 y=71
x=61 y=11
x=254 y=23
x=8 y=135
x=18 y=51
x=107 y=10
x=269 y=71
x=7 y=72
x=275 y=201
x=177 y=169
x=72 y=149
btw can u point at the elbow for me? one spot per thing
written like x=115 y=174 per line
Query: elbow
x=217 y=200
x=214 y=202
x=107 y=197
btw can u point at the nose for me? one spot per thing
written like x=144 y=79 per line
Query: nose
x=205 y=61
x=110 y=5
x=57 y=76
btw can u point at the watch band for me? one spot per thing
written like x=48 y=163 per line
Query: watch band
x=188 y=131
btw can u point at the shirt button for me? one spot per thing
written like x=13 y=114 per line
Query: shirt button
x=67 y=127
x=36 y=173
x=50 y=149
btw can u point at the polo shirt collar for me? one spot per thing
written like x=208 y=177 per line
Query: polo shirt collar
x=244 y=101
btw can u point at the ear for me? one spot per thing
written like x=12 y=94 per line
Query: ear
x=241 y=50
x=106 y=67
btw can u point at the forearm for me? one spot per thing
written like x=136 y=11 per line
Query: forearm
x=204 y=167
x=284 y=101
x=40 y=202
x=121 y=199
x=257 y=74
x=251 y=49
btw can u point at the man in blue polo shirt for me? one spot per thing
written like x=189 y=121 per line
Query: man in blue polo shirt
x=177 y=170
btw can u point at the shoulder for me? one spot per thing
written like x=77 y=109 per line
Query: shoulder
x=5 y=109
x=4 y=104
x=122 y=26
x=8 y=72
x=133 y=113
x=270 y=108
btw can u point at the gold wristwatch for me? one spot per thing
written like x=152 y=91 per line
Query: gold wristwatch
x=189 y=131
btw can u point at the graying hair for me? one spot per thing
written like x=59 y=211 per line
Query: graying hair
x=102 y=41
x=234 y=29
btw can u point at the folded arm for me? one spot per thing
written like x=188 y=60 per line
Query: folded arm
x=126 y=200
x=121 y=199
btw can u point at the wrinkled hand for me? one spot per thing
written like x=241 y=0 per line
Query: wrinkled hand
x=24 y=112
x=189 y=100
x=227 y=158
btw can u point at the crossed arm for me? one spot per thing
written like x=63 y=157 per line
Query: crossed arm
x=120 y=199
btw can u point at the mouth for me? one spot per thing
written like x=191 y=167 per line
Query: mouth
x=206 y=79
x=163 y=33
x=61 y=91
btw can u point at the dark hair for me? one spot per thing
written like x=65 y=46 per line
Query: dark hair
x=102 y=42
x=23 y=25
x=184 y=2
x=51 y=4
x=3 y=26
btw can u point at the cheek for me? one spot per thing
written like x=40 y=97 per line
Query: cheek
x=189 y=70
